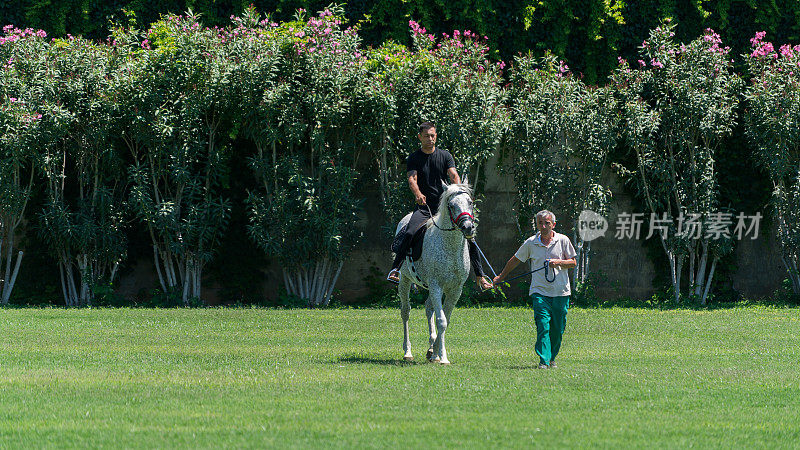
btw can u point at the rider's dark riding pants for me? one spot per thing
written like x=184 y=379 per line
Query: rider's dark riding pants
x=418 y=219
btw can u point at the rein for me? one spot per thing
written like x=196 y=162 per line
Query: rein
x=544 y=267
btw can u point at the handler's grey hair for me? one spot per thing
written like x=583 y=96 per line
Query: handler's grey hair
x=544 y=214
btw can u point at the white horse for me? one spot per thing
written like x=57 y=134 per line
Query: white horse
x=443 y=266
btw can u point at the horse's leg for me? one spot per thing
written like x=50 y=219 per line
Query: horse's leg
x=431 y=329
x=441 y=324
x=405 y=308
x=450 y=299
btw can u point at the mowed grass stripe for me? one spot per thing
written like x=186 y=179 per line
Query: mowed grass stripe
x=335 y=378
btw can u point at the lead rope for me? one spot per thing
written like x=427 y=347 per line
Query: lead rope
x=544 y=267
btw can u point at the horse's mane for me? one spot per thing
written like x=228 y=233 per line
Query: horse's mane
x=449 y=192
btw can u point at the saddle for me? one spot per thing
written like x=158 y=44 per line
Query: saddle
x=415 y=249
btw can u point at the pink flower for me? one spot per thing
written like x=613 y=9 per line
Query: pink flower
x=759 y=36
x=786 y=51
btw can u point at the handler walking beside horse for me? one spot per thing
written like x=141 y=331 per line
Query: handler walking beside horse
x=547 y=250
x=427 y=168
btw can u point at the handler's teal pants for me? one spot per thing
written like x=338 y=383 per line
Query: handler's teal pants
x=551 y=320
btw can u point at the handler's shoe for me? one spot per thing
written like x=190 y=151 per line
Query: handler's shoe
x=394 y=276
x=543 y=366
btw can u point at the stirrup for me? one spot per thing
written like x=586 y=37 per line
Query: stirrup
x=390 y=279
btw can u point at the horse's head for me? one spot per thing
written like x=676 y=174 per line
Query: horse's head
x=457 y=202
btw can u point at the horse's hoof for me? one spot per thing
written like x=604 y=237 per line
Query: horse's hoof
x=429 y=355
x=408 y=358
x=444 y=363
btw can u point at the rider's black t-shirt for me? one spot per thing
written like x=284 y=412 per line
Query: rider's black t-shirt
x=431 y=170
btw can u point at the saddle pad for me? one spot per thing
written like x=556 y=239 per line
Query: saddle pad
x=415 y=249
x=416 y=242
x=398 y=239
x=412 y=271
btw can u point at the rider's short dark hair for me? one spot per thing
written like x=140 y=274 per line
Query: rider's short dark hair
x=425 y=125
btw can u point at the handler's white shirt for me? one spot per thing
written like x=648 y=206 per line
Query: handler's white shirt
x=534 y=250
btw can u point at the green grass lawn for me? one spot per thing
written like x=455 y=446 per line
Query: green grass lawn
x=335 y=378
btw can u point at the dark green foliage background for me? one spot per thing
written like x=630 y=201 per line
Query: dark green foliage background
x=586 y=33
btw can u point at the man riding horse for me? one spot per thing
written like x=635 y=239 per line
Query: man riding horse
x=427 y=168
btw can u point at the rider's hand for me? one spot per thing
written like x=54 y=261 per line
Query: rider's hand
x=420 y=199
x=496 y=280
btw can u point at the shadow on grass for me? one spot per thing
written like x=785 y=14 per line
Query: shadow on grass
x=524 y=367
x=361 y=359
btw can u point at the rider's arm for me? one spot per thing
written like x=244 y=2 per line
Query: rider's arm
x=412 y=184
x=510 y=266
x=453 y=174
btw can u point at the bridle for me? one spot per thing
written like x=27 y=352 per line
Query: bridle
x=455 y=221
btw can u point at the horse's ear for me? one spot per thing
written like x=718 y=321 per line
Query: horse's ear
x=445 y=185
x=466 y=179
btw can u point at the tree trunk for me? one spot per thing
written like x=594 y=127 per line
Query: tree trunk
x=158 y=268
x=333 y=284
x=313 y=285
x=8 y=284
x=677 y=284
x=185 y=294
x=701 y=271
x=708 y=283
x=692 y=265
x=791 y=266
